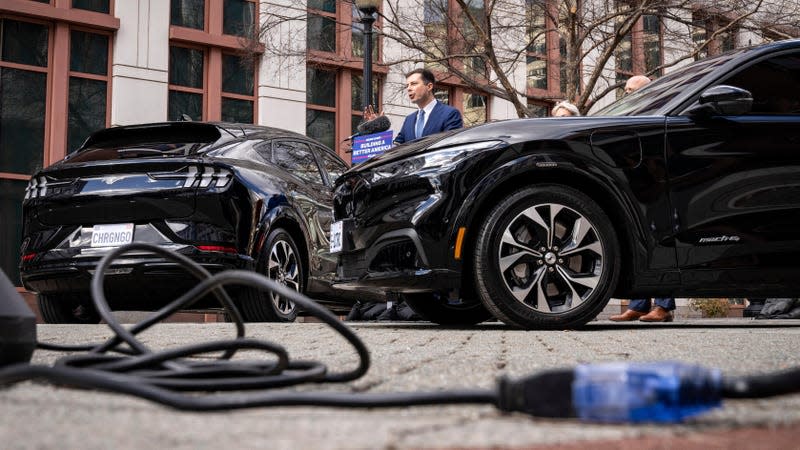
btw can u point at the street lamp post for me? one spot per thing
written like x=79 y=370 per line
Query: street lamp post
x=368 y=8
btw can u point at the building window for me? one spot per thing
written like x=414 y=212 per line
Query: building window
x=188 y=13
x=474 y=109
x=321 y=31
x=321 y=101
x=710 y=36
x=474 y=66
x=186 y=83
x=449 y=31
x=23 y=94
x=88 y=86
x=474 y=105
x=237 y=89
x=435 y=13
x=334 y=75
x=357 y=98
x=238 y=17
x=442 y=95
x=538 y=109
x=24 y=49
x=547 y=49
x=653 y=45
x=623 y=56
x=641 y=51
x=537 y=47
x=215 y=80
x=101 y=6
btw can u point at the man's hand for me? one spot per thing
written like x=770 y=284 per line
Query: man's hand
x=369 y=113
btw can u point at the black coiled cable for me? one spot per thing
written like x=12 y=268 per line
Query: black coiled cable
x=176 y=378
x=124 y=364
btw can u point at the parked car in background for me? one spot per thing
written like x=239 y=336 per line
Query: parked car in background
x=225 y=195
x=689 y=187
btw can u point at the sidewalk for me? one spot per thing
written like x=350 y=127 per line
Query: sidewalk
x=421 y=357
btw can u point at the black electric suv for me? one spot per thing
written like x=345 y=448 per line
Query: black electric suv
x=688 y=187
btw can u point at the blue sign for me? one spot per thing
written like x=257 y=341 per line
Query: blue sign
x=365 y=147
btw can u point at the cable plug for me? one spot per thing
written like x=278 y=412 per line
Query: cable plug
x=664 y=392
x=545 y=394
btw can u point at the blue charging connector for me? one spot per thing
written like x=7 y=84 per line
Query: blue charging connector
x=665 y=392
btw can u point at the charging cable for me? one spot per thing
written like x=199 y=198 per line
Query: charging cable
x=666 y=392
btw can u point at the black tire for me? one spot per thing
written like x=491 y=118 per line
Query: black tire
x=280 y=261
x=439 y=308
x=546 y=280
x=67 y=308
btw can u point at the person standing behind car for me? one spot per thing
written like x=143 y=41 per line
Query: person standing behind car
x=641 y=308
x=565 y=109
x=635 y=83
x=432 y=116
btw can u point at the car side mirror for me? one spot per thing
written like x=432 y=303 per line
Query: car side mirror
x=722 y=100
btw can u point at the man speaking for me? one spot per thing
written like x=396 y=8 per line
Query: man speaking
x=432 y=116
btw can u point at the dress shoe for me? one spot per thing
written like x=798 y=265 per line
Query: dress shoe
x=657 y=314
x=627 y=316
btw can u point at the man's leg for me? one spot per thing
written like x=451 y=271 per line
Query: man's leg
x=637 y=308
x=662 y=312
x=641 y=305
x=667 y=303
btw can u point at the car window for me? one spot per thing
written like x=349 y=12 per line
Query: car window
x=334 y=166
x=774 y=83
x=263 y=152
x=296 y=158
x=654 y=96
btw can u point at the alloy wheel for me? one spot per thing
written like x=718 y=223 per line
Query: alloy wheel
x=550 y=258
x=283 y=267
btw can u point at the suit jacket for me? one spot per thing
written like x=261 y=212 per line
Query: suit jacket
x=442 y=118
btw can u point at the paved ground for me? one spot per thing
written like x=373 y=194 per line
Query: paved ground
x=409 y=357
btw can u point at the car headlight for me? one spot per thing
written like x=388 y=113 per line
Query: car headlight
x=439 y=160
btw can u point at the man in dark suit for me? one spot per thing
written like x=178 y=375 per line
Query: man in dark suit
x=432 y=116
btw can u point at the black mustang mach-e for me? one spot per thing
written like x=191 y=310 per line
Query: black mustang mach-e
x=689 y=187
x=225 y=195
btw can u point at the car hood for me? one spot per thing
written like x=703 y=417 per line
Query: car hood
x=509 y=131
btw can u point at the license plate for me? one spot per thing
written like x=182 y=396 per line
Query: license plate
x=336 y=236
x=112 y=235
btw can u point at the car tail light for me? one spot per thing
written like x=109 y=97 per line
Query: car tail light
x=198 y=176
x=216 y=248
x=28 y=256
x=40 y=186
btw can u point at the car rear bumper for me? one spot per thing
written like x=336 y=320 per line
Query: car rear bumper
x=134 y=281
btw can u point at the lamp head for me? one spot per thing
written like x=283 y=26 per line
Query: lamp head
x=368 y=7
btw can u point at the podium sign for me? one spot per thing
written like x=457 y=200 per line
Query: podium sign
x=365 y=147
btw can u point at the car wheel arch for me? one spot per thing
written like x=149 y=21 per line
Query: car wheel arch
x=483 y=197
x=286 y=221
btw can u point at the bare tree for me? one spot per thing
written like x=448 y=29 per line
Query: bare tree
x=590 y=46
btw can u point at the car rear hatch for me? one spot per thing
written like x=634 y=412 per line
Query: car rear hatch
x=129 y=174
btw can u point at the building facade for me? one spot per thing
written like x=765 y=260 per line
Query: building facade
x=70 y=67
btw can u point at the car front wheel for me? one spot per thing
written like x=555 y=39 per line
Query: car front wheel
x=546 y=257
x=282 y=263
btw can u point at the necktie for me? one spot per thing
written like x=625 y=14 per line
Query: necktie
x=420 y=123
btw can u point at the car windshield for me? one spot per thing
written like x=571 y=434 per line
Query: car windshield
x=649 y=99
